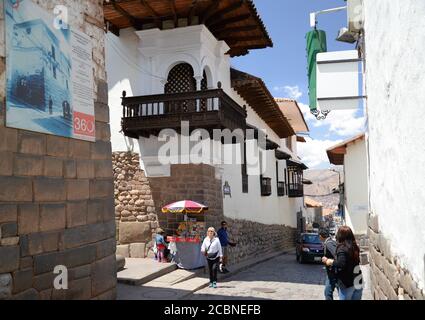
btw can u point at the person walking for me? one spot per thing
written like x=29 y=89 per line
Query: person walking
x=347 y=265
x=329 y=246
x=212 y=250
x=225 y=243
x=161 y=245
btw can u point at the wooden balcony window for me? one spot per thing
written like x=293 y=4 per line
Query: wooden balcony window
x=266 y=186
x=281 y=189
x=295 y=190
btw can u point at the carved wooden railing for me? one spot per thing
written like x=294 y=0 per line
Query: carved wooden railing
x=295 y=190
x=200 y=108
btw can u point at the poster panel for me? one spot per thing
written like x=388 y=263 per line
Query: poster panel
x=49 y=73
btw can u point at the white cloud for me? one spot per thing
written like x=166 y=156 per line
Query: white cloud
x=313 y=152
x=292 y=92
x=343 y=123
x=305 y=109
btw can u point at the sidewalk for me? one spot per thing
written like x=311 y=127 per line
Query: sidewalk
x=179 y=284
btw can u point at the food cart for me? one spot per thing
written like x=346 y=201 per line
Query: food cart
x=188 y=233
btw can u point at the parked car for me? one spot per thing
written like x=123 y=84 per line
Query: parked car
x=309 y=248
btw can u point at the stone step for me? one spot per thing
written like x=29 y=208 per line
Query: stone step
x=192 y=285
x=141 y=271
x=173 y=278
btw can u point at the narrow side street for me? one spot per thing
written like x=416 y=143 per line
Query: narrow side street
x=282 y=278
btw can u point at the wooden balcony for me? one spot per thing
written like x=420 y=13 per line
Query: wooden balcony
x=266 y=186
x=295 y=190
x=209 y=109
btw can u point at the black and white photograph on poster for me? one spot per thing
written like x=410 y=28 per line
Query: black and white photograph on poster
x=49 y=74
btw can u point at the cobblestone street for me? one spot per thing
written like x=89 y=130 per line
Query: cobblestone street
x=281 y=278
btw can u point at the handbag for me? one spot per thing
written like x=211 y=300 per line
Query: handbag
x=211 y=256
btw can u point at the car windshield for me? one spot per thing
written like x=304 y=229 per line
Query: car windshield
x=311 y=238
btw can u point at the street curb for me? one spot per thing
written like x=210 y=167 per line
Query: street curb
x=242 y=267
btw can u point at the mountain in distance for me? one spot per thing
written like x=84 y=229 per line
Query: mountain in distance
x=324 y=182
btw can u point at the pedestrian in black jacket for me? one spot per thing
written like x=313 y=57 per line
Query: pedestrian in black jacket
x=347 y=265
x=329 y=246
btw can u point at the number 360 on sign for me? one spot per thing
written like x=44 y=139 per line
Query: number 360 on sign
x=84 y=124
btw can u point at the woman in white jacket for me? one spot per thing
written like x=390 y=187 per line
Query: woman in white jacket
x=211 y=248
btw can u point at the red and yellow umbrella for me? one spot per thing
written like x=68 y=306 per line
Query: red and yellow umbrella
x=185 y=206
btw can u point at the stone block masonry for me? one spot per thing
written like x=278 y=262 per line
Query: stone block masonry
x=56 y=194
x=390 y=281
x=254 y=239
x=135 y=212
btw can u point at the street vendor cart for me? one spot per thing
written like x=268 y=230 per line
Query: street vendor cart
x=188 y=234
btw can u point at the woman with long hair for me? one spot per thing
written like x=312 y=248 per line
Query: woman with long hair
x=347 y=265
x=211 y=248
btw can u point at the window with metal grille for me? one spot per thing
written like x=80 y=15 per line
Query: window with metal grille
x=266 y=186
x=280 y=184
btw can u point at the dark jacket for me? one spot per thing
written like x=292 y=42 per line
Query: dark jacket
x=346 y=267
x=330 y=253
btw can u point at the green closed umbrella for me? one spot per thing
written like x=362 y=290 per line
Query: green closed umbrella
x=316 y=43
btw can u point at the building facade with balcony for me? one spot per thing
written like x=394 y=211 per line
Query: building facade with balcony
x=204 y=131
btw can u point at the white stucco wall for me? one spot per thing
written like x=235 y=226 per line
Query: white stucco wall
x=395 y=80
x=125 y=69
x=254 y=207
x=356 y=187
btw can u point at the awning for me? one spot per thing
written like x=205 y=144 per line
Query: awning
x=296 y=163
x=234 y=21
x=336 y=153
x=254 y=91
x=306 y=181
x=293 y=113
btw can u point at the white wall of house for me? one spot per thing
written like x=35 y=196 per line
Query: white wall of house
x=139 y=62
x=356 y=187
x=126 y=69
x=395 y=80
x=252 y=205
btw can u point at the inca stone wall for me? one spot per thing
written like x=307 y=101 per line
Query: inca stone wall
x=255 y=239
x=390 y=281
x=56 y=194
x=135 y=212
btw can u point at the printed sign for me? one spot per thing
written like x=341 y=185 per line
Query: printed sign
x=49 y=73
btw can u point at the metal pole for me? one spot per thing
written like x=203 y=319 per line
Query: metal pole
x=313 y=15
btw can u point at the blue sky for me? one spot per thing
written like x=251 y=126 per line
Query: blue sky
x=284 y=68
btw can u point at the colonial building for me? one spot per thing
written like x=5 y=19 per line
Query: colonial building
x=169 y=68
x=352 y=154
